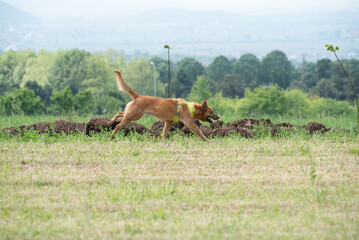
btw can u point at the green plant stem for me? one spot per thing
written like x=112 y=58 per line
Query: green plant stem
x=351 y=84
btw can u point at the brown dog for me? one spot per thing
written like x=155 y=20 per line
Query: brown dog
x=168 y=110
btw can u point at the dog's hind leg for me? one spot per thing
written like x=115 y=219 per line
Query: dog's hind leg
x=128 y=117
x=166 y=128
x=113 y=120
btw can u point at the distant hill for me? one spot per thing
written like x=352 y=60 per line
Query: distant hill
x=180 y=16
x=204 y=34
x=203 y=18
x=11 y=15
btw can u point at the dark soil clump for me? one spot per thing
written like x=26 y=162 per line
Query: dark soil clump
x=41 y=127
x=98 y=124
x=159 y=125
x=247 y=128
x=286 y=126
x=14 y=130
x=66 y=127
x=314 y=127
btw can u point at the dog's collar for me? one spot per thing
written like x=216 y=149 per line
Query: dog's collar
x=190 y=108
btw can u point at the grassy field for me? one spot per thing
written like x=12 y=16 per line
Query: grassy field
x=294 y=186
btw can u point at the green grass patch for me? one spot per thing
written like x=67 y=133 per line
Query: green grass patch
x=295 y=186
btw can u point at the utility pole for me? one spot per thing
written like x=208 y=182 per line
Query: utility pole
x=154 y=78
x=169 y=71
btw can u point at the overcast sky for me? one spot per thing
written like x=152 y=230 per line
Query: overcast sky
x=55 y=8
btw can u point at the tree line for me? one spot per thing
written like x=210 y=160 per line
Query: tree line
x=67 y=80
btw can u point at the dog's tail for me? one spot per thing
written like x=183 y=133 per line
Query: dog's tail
x=122 y=85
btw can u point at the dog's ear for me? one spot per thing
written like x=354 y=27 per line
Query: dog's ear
x=204 y=106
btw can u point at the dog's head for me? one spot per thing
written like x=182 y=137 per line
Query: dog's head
x=206 y=113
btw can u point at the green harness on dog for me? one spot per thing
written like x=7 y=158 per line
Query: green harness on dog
x=190 y=107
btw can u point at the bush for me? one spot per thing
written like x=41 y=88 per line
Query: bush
x=224 y=106
x=21 y=101
x=274 y=101
x=113 y=105
x=297 y=103
x=328 y=106
x=84 y=102
x=63 y=101
x=264 y=100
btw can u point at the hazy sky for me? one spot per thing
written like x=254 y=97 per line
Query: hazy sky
x=54 y=8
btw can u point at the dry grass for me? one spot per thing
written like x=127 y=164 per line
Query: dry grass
x=182 y=188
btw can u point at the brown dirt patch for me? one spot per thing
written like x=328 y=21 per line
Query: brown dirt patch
x=247 y=128
x=314 y=127
x=98 y=124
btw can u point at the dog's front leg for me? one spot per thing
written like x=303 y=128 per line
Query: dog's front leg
x=166 y=128
x=191 y=125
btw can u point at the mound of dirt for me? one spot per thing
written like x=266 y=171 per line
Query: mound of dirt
x=314 y=127
x=247 y=128
x=98 y=124
x=286 y=126
x=14 y=130
x=158 y=126
x=41 y=127
x=66 y=127
x=59 y=126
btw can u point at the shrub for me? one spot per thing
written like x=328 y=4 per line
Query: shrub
x=274 y=101
x=297 y=102
x=84 y=102
x=264 y=100
x=224 y=106
x=63 y=101
x=328 y=106
x=22 y=101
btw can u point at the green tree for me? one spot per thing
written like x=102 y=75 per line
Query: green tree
x=43 y=92
x=100 y=80
x=69 y=69
x=84 y=102
x=248 y=68
x=352 y=67
x=200 y=90
x=12 y=69
x=38 y=68
x=138 y=73
x=63 y=101
x=219 y=68
x=232 y=86
x=327 y=88
x=277 y=69
x=323 y=68
x=114 y=104
x=187 y=71
x=309 y=76
x=22 y=101
x=115 y=59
